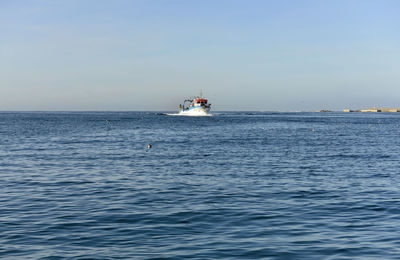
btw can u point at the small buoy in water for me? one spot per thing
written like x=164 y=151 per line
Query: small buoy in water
x=107 y=121
x=149 y=146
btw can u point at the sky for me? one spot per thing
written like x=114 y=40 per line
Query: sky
x=134 y=55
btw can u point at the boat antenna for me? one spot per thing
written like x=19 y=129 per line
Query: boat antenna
x=201 y=93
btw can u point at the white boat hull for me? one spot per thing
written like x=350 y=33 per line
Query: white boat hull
x=197 y=111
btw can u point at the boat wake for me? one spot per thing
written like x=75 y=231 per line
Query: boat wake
x=189 y=114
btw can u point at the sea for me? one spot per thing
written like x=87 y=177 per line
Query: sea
x=235 y=185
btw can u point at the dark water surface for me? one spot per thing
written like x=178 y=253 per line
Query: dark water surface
x=231 y=186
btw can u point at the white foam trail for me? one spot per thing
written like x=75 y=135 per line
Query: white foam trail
x=186 y=114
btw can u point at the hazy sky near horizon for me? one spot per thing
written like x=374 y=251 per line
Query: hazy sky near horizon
x=244 y=54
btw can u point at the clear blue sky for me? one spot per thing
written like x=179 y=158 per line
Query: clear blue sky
x=244 y=55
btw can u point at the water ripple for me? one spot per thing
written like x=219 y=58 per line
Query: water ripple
x=232 y=186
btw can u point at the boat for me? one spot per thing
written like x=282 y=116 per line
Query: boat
x=195 y=106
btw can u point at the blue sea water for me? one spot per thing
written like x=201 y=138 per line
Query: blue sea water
x=238 y=185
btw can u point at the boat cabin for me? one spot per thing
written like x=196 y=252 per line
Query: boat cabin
x=200 y=102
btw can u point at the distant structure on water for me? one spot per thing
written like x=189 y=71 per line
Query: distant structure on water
x=374 y=109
